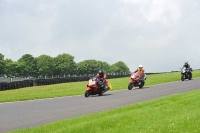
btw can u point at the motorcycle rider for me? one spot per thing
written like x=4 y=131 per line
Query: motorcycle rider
x=102 y=78
x=187 y=66
x=140 y=70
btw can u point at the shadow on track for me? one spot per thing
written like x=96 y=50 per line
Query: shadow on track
x=139 y=88
x=100 y=96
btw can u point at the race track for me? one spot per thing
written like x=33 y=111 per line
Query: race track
x=15 y=115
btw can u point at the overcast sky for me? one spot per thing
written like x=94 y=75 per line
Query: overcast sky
x=159 y=34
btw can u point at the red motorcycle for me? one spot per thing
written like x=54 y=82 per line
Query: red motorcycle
x=93 y=87
x=136 y=81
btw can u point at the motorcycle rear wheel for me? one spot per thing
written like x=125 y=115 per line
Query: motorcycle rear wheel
x=141 y=85
x=87 y=93
x=130 y=86
x=190 y=76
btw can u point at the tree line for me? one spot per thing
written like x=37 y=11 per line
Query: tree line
x=61 y=65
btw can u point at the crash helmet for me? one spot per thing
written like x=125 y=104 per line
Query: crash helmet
x=186 y=62
x=101 y=73
x=140 y=66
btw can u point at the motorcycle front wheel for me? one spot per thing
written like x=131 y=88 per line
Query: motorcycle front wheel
x=141 y=85
x=87 y=93
x=130 y=86
x=190 y=76
x=182 y=77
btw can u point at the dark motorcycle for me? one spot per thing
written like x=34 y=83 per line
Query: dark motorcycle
x=93 y=87
x=186 y=74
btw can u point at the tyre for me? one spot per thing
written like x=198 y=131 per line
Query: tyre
x=141 y=85
x=189 y=77
x=182 y=77
x=87 y=93
x=130 y=86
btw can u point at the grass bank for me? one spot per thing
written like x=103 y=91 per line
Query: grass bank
x=177 y=113
x=78 y=88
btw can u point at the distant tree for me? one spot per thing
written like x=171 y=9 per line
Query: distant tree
x=20 y=68
x=114 y=69
x=64 y=64
x=88 y=67
x=30 y=68
x=81 y=67
x=13 y=68
x=106 y=67
x=10 y=67
x=45 y=65
x=119 y=67
x=2 y=64
x=91 y=66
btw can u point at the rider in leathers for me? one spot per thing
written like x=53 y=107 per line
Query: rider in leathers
x=140 y=70
x=102 y=78
x=187 y=66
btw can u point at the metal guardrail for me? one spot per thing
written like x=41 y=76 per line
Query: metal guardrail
x=12 y=79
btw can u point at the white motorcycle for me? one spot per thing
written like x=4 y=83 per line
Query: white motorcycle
x=186 y=74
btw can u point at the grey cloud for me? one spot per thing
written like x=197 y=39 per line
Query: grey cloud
x=103 y=30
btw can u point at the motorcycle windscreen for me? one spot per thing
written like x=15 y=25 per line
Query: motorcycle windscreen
x=184 y=70
x=91 y=82
x=134 y=75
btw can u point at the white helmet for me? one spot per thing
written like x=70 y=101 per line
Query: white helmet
x=140 y=66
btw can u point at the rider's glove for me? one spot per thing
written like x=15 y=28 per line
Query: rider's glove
x=101 y=79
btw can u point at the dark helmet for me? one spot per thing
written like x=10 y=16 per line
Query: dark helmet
x=101 y=73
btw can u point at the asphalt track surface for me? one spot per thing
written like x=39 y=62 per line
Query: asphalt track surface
x=17 y=115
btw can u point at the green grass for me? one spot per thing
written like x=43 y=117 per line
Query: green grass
x=78 y=88
x=173 y=114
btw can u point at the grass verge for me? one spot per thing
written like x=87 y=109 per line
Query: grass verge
x=177 y=113
x=78 y=88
